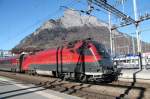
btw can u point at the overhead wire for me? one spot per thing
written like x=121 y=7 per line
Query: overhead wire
x=114 y=19
x=80 y=11
x=83 y=11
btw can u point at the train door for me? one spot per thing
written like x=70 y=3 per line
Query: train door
x=21 y=58
x=59 y=62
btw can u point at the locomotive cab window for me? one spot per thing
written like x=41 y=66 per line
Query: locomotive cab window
x=101 y=50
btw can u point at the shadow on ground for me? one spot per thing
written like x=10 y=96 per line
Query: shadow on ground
x=132 y=86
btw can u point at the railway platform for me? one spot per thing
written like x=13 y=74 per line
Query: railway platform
x=135 y=75
x=13 y=89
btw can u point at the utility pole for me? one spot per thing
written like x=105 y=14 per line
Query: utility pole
x=133 y=45
x=122 y=2
x=110 y=30
x=137 y=34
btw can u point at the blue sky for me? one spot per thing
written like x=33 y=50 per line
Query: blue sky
x=19 y=18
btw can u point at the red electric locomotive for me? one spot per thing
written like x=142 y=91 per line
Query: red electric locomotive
x=83 y=60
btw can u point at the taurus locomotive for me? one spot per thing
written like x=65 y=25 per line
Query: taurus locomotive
x=82 y=60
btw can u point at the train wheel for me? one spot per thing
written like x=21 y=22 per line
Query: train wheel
x=61 y=76
x=28 y=72
x=83 y=78
x=54 y=73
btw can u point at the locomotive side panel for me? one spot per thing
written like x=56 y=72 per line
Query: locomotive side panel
x=40 y=60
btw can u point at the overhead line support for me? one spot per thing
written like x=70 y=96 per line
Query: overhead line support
x=103 y=4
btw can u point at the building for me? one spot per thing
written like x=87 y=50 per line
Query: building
x=5 y=53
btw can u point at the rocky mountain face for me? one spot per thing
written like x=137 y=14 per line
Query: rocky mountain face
x=73 y=26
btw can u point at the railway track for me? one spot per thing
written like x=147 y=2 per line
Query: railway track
x=91 y=90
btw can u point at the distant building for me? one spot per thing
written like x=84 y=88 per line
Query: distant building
x=147 y=55
x=5 y=53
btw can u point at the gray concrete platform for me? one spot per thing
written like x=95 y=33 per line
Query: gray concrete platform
x=135 y=74
x=11 y=89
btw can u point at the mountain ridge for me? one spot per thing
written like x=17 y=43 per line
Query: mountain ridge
x=73 y=26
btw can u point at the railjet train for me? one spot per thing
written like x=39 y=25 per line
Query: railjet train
x=83 y=60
